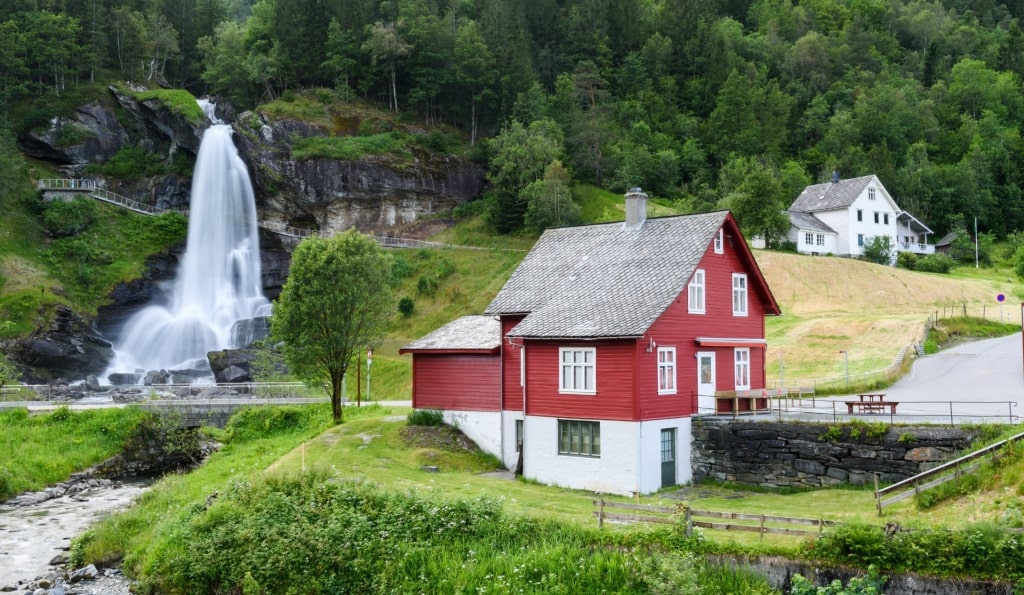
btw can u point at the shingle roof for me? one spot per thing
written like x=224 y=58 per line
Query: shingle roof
x=830 y=196
x=469 y=333
x=808 y=222
x=603 y=280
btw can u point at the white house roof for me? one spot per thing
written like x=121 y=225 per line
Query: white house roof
x=599 y=281
x=833 y=195
x=808 y=222
x=469 y=333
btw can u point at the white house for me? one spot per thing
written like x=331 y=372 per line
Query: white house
x=843 y=216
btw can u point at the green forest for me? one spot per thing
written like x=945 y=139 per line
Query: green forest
x=709 y=103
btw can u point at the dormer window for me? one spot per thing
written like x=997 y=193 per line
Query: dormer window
x=719 y=245
x=871 y=194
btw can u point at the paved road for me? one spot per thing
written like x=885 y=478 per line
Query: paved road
x=974 y=376
x=976 y=382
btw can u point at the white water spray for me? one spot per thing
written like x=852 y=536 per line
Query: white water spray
x=219 y=281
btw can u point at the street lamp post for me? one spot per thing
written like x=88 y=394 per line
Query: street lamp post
x=846 y=366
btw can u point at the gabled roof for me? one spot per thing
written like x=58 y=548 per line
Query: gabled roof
x=469 y=333
x=834 y=195
x=807 y=222
x=601 y=281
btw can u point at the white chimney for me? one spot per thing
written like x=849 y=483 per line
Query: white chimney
x=636 y=208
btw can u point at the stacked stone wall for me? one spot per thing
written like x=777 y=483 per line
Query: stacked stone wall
x=811 y=455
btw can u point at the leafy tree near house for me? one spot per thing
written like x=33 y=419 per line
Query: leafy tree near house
x=878 y=250
x=336 y=302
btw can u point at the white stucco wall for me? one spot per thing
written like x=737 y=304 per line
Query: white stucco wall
x=630 y=458
x=483 y=427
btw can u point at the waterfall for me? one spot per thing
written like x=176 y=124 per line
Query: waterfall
x=219 y=281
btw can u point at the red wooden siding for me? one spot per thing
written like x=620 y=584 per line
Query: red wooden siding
x=456 y=382
x=614 y=382
x=676 y=327
x=511 y=388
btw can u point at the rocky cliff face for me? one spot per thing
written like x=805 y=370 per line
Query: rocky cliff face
x=376 y=193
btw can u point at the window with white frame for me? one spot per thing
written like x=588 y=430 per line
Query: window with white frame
x=666 y=370
x=577 y=370
x=719 y=242
x=742 y=367
x=821 y=239
x=739 y=294
x=860 y=239
x=695 y=292
x=808 y=238
x=871 y=194
x=581 y=438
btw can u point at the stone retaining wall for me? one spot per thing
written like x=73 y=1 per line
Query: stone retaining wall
x=806 y=455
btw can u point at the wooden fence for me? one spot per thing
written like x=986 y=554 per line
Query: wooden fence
x=682 y=513
x=946 y=472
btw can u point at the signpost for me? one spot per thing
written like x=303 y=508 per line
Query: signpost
x=369 y=360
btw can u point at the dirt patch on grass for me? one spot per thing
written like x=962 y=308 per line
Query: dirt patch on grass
x=438 y=438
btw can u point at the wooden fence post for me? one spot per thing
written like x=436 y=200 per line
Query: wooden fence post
x=689 y=522
x=878 y=498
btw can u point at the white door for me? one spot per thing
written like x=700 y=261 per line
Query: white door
x=705 y=383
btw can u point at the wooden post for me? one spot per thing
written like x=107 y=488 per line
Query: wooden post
x=878 y=498
x=689 y=522
x=600 y=513
x=762 y=527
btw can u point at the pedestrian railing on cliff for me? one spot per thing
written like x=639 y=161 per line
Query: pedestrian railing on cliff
x=684 y=515
x=89 y=187
x=946 y=472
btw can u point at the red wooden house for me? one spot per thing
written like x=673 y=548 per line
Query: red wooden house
x=590 y=363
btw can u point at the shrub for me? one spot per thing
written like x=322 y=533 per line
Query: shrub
x=860 y=585
x=935 y=263
x=906 y=260
x=68 y=217
x=406 y=306
x=427 y=285
x=426 y=417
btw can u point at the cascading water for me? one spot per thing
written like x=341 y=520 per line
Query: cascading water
x=219 y=281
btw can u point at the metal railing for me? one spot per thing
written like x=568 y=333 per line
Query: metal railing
x=949 y=471
x=89 y=186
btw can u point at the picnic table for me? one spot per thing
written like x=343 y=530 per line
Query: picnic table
x=871 y=403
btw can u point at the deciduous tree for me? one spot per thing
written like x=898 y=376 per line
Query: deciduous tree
x=336 y=302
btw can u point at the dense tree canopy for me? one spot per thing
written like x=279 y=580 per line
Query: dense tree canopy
x=662 y=94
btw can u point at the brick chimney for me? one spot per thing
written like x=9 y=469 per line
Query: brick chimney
x=636 y=208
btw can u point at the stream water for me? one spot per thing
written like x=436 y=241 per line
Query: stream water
x=31 y=536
